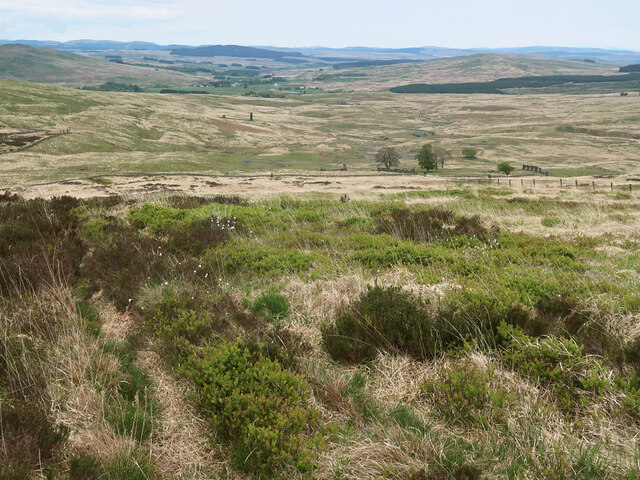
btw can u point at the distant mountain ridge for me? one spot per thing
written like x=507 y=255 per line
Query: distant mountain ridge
x=410 y=53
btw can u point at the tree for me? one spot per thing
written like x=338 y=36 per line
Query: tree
x=505 y=167
x=426 y=158
x=469 y=152
x=388 y=157
x=442 y=155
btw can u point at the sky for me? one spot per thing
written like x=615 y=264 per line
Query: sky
x=331 y=23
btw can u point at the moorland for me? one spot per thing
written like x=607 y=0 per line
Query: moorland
x=186 y=292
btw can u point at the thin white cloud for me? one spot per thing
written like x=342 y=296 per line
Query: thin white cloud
x=76 y=10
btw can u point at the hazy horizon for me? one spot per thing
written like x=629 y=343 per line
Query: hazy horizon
x=334 y=24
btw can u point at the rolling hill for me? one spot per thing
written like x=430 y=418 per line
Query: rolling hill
x=472 y=68
x=44 y=65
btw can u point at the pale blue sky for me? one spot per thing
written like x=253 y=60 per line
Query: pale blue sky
x=333 y=23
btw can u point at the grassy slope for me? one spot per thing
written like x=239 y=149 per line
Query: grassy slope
x=33 y=64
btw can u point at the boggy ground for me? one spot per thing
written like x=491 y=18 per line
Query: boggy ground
x=458 y=332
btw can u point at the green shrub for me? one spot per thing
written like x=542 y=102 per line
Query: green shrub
x=558 y=364
x=242 y=258
x=271 y=306
x=464 y=396
x=191 y=319
x=259 y=408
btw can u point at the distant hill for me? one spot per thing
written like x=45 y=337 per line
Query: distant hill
x=363 y=53
x=45 y=65
x=471 y=68
x=233 y=51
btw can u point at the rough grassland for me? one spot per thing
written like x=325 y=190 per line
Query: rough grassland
x=146 y=133
x=432 y=334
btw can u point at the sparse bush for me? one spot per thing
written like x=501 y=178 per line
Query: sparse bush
x=259 y=408
x=469 y=152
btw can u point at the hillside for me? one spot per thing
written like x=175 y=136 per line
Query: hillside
x=472 y=68
x=115 y=133
x=44 y=65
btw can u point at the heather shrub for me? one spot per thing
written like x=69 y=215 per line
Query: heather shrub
x=558 y=364
x=383 y=318
x=191 y=201
x=39 y=242
x=256 y=406
x=198 y=235
x=121 y=263
x=464 y=394
x=29 y=437
x=432 y=224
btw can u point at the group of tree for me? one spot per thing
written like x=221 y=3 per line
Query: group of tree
x=429 y=157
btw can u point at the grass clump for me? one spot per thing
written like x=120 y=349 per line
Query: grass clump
x=271 y=306
x=258 y=407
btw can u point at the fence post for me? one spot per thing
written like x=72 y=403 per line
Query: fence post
x=509 y=183
x=594 y=186
x=612 y=186
x=576 y=183
x=498 y=182
x=522 y=182
x=534 y=182
x=560 y=183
